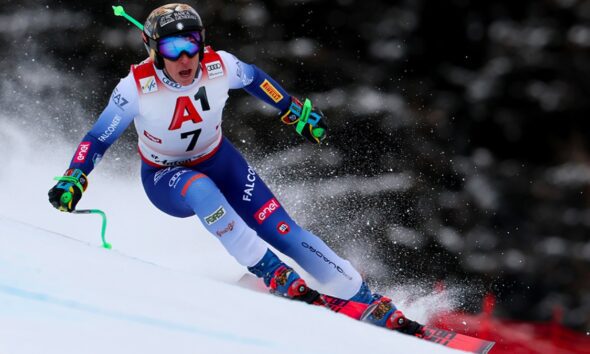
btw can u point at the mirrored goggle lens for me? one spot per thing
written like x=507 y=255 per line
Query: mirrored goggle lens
x=173 y=47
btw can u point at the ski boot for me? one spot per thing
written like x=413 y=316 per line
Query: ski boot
x=286 y=282
x=283 y=280
x=398 y=322
x=385 y=314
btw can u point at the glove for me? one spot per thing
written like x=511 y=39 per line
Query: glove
x=309 y=122
x=67 y=192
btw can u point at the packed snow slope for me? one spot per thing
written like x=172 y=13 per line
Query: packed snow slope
x=166 y=286
x=61 y=295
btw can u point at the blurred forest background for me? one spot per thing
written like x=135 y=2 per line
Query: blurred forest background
x=458 y=146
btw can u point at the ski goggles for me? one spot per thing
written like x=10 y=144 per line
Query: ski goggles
x=172 y=47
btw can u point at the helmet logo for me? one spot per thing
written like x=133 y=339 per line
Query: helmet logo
x=169 y=20
x=177 y=16
x=166 y=19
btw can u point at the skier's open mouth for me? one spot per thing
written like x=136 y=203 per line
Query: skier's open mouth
x=185 y=74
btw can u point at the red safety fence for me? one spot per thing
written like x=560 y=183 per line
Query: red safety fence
x=516 y=337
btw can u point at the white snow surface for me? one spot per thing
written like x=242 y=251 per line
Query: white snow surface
x=167 y=286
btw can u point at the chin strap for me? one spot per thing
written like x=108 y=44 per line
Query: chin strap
x=198 y=71
x=166 y=74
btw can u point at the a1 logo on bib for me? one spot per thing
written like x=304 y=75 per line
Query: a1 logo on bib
x=148 y=84
x=214 y=69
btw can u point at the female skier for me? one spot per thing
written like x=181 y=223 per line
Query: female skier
x=176 y=99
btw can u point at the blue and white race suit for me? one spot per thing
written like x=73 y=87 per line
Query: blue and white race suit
x=190 y=168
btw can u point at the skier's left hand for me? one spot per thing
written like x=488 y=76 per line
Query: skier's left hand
x=67 y=192
x=309 y=121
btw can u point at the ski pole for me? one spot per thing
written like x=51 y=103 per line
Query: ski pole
x=119 y=11
x=303 y=119
x=105 y=244
x=67 y=198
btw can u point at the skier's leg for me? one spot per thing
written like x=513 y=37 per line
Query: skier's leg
x=183 y=192
x=261 y=210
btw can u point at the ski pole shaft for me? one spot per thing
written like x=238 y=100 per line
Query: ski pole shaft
x=119 y=11
x=105 y=244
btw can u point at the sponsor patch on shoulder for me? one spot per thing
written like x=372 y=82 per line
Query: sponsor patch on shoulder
x=148 y=84
x=118 y=99
x=214 y=69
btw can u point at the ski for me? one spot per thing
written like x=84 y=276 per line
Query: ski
x=359 y=311
x=457 y=341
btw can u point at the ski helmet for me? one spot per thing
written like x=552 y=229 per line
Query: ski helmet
x=167 y=20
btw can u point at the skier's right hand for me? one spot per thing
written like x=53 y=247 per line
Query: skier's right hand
x=69 y=189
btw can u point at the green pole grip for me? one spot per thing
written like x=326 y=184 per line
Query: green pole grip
x=318 y=132
x=65 y=198
x=70 y=179
x=305 y=111
x=119 y=11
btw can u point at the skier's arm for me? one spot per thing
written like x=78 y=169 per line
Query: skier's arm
x=307 y=120
x=111 y=123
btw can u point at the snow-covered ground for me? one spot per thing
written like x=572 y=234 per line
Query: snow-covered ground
x=60 y=295
x=165 y=287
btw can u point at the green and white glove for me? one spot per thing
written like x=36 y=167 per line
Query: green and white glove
x=68 y=191
x=309 y=122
